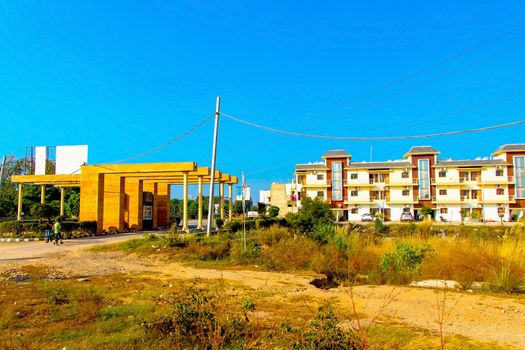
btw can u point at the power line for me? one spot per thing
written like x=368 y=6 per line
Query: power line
x=419 y=72
x=439 y=77
x=483 y=103
x=381 y=138
x=164 y=145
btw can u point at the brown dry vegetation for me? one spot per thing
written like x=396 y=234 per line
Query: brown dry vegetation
x=254 y=309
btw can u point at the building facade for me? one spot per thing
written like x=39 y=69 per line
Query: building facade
x=488 y=189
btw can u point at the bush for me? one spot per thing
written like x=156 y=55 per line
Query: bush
x=294 y=253
x=273 y=235
x=313 y=212
x=196 y=320
x=24 y=229
x=322 y=233
x=404 y=264
x=233 y=226
x=209 y=249
x=324 y=332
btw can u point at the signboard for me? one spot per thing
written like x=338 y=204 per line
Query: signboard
x=41 y=155
x=147 y=213
x=253 y=214
x=69 y=159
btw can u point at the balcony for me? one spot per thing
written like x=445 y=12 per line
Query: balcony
x=403 y=182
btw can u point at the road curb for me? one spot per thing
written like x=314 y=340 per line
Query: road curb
x=20 y=239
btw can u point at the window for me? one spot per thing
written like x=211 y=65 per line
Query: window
x=473 y=176
x=463 y=176
x=354 y=210
x=320 y=176
x=464 y=194
x=474 y=194
x=500 y=191
x=404 y=175
x=353 y=176
x=337 y=181
x=442 y=173
x=443 y=210
x=354 y=193
x=424 y=179
x=499 y=172
x=405 y=193
x=442 y=192
x=519 y=175
x=320 y=194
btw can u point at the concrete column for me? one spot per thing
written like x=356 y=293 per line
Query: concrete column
x=114 y=202
x=163 y=204
x=62 y=196
x=230 y=206
x=221 y=189
x=42 y=194
x=19 y=212
x=199 y=225
x=185 y=204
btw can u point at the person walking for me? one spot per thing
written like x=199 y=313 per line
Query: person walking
x=57 y=230
x=48 y=232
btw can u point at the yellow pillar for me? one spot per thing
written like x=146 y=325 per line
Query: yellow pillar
x=199 y=224
x=42 y=194
x=19 y=213
x=230 y=206
x=221 y=189
x=62 y=196
x=185 y=204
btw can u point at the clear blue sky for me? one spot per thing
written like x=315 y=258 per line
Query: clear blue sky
x=124 y=77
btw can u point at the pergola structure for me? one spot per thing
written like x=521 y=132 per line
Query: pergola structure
x=131 y=196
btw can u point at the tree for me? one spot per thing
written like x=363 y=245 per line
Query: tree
x=273 y=212
x=41 y=211
x=313 y=212
x=261 y=209
x=72 y=205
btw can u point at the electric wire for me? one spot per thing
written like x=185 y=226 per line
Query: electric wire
x=419 y=72
x=483 y=103
x=164 y=145
x=380 y=138
x=440 y=77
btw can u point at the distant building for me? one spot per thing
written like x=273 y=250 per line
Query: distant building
x=482 y=189
x=283 y=196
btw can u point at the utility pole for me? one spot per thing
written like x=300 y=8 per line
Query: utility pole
x=4 y=159
x=211 y=206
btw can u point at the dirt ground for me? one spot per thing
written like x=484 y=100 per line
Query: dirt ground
x=482 y=317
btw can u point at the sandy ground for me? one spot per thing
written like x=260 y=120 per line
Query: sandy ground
x=482 y=317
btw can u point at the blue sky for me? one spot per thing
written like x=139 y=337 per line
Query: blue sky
x=124 y=77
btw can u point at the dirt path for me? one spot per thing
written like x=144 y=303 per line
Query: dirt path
x=476 y=316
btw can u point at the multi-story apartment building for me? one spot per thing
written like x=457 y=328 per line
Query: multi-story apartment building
x=488 y=189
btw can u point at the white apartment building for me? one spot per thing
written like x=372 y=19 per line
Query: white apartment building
x=488 y=189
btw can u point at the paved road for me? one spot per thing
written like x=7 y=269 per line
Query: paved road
x=10 y=252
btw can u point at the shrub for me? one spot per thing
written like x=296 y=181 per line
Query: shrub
x=273 y=235
x=209 y=249
x=273 y=212
x=324 y=332
x=322 y=233
x=291 y=254
x=313 y=212
x=197 y=320
x=233 y=226
x=404 y=264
